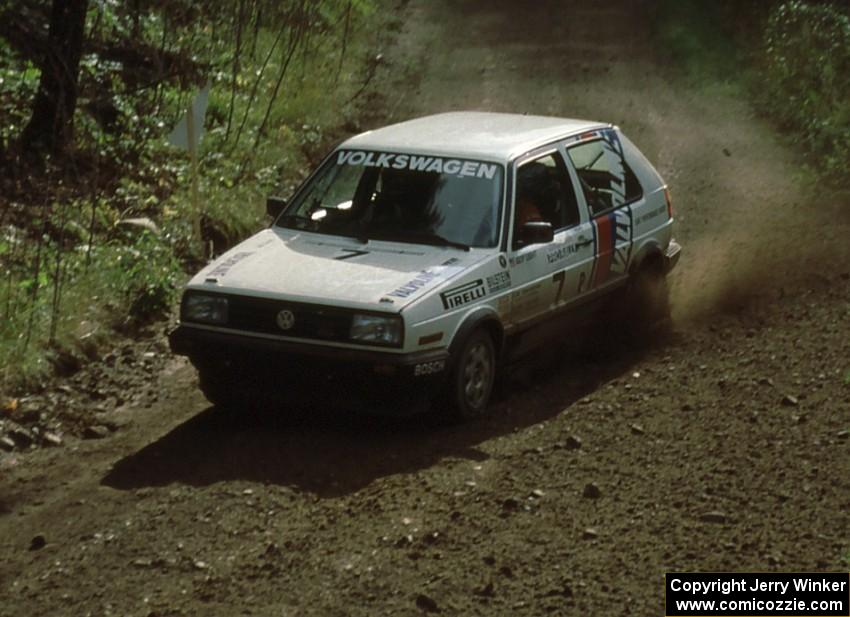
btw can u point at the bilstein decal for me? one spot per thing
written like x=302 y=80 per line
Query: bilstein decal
x=463 y=294
x=434 y=164
x=498 y=281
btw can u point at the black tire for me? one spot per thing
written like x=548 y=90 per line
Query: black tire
x=219 y=391
x=648 y=303
x=472 y=377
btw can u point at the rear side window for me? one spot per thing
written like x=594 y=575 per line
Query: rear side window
x=606 y=179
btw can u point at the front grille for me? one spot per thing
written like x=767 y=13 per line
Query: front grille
x=308 y=321
x=311 y=321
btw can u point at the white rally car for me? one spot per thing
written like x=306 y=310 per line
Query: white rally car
x=420 y=257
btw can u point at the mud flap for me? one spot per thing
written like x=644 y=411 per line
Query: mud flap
x=671 y=256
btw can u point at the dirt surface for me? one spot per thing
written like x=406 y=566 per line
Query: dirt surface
x=724 y=447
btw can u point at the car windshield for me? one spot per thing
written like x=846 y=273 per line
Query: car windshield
x=403 y=197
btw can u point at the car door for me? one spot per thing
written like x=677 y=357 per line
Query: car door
x=609 y=189
x=546 y=276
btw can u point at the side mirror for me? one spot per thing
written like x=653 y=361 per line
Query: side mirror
x=275 y=205
x=536 y=232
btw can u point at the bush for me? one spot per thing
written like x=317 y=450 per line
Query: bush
x=805 y=84
x=52 y=298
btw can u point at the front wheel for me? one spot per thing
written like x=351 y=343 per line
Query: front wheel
x=218 y=386
x=472 y=377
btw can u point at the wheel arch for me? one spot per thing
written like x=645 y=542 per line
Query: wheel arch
x=481 y=317
x=649 y=255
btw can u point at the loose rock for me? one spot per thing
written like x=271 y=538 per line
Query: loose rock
x=96 y=431
x=427 y=604
x=590 y=533
x=52 y=439
x=714 y=517
x=790 y=401
x=591 y=491
x=510 y=504
x=573 y=442
x=38 y=542
x=22 y=437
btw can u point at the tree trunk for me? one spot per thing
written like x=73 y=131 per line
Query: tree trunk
x=51 y=125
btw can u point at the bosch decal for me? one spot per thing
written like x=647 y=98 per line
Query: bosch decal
x=429 y=368
x=463 y=294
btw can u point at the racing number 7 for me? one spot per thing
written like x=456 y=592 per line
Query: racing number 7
x=559 y=277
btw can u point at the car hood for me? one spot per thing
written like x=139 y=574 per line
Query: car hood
x=322 y=269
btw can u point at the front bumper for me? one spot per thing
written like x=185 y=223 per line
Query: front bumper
x=671 y=256
x=360 y=374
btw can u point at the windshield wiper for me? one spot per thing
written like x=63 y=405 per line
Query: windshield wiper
x=293 y=219
x=431 y=238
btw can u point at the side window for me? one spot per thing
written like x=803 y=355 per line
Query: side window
x=606 y=179
x=544 y=193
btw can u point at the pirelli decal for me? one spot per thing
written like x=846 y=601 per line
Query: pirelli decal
x=463 y=294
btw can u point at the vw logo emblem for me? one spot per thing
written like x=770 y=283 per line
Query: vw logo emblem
x=285 y=319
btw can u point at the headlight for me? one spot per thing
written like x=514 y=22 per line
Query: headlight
x=204 y=308
x=376 y=329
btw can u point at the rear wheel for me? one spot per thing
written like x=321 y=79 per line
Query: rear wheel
x=648 y=302
x=472 y=377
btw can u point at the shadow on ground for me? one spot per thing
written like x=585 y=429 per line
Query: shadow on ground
x=332 y=452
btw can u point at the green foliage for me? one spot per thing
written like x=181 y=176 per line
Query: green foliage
x=281 y=85
x=50 y=298
x=806 y=87
x=144 y=275
x=18 y=84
